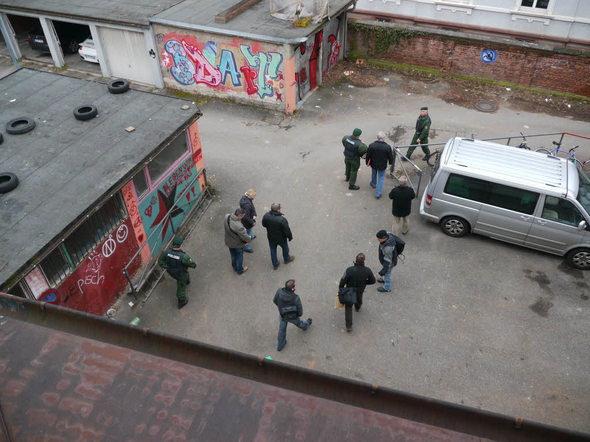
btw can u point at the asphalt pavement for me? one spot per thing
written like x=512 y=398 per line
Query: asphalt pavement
x=470 y=320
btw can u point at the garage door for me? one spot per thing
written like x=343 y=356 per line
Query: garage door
x=127 y=54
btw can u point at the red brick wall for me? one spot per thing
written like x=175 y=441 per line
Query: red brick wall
x=527 y=67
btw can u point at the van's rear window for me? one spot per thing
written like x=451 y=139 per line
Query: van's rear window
x=494 y=194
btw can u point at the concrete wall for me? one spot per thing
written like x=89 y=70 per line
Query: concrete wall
x=518 y=64
x=566 y=21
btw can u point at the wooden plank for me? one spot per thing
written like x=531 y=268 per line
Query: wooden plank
x=232 y=11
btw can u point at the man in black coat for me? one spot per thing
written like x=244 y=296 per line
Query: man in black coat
x=278 y=233
x=401 y=197
x=379 y=155
x=249 y=219
x=357 y=276
x=290 y=310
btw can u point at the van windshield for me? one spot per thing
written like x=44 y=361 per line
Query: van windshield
x=584 y=189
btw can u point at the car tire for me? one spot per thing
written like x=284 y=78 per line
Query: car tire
x=579 y=258
x=1 y=138
x=118 y=86
x=8 y=182
x=73 y=47
x=20 y=125
x=85 y=112
x=455 y=226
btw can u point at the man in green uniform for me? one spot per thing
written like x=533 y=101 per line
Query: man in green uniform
x=176 y=262
x=421 y=135
x=354 y=149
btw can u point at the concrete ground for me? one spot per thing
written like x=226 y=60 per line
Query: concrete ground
x=471 y=321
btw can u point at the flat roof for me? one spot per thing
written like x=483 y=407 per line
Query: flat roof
x=64 y=165
x=136 y=12
x=531 y=170
x=255 y=22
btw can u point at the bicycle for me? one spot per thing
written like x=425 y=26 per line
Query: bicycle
x=571 y=154
x=523 y=144
x=433 y=157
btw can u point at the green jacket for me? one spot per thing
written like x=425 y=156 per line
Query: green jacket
x=423 y=127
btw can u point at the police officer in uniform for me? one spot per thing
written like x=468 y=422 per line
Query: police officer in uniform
x=354 y=149
x=176 y=262
x=421 y=136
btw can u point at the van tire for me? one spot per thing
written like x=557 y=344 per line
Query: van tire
x=455 y=226
x=579 y=258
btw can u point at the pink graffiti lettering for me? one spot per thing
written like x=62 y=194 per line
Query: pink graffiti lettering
x=205 y=72
x=250 y=77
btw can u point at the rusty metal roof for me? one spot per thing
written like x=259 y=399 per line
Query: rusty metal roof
x=132 y=384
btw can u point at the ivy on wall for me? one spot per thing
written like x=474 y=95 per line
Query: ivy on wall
x=383 y=37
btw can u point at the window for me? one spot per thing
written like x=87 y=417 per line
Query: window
x=55 y=267
x=96 y=228
x=540 y=4
x=17 y=290
x=499 y=195
x=171 y=153
x=561 y=211
x=140 y=183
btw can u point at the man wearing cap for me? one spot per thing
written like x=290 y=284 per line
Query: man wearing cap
x=176 y=262
x=354 y=149
x=387 y=258
x=421 y=136
x=379 y=155
x=249 y=218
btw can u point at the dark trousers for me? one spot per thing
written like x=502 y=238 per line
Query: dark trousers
x=423 y=145
x=348 y=309
x=351 y=169
x=181 y=283
x=282 y=337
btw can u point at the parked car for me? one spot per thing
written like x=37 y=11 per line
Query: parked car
x=511 y=194
x=69 y=35
x=87 y=51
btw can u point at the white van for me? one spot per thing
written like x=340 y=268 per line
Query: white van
x=511 y=194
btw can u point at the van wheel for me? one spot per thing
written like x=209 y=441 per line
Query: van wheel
x=454 y=226
x=579 y=258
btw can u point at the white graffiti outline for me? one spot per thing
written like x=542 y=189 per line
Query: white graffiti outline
x=122 y=233
x=109 y=247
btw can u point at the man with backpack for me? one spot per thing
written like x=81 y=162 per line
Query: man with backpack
x=390 y=246
x=290 y=310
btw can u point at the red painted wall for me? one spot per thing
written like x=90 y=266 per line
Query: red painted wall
x=99 y=279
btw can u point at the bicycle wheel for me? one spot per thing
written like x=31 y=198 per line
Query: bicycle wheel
x=543 y=150
x=432 y=159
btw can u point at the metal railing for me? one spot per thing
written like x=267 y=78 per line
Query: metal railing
x=158 y=229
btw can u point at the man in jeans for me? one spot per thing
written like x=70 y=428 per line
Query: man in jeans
x=379 y=155
x=290 y=310
x=278 y=233
x=235 y=239
x=387 y=258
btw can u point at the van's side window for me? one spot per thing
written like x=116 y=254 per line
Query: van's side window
x=562 y=211
x=499 y=195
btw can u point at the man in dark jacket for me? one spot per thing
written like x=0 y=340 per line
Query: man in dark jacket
x=278 y=233
x=175 y=261
x=401 y=206
x=387 y=258
x=249 y=219
x=290 y=310
x=354 y=150
x=379 y=155
x=357 y=276
x=421 y=135
x=235 y=239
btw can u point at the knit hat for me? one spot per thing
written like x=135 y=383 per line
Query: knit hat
x=381 y=234
x=250 y=192
x=357 y=132
x=424 y=108
x=177 y=241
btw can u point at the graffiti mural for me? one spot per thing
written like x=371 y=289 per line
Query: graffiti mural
x=97 y=281
x=224 y=66
x=155 y=207
x=331 y=44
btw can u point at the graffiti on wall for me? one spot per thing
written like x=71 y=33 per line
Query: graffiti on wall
x=158 y=210
x=99 y=278
x=234 y=66
x=331 y=45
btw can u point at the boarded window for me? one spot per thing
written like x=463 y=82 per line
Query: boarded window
x=140 y=183
x=55 y=267
x=165 y=159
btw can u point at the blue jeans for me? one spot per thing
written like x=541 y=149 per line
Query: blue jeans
x=377 y=180
x=273 y=253
x=249 y=232
x=387 y=279
x=283 y=329
x=237 y=259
